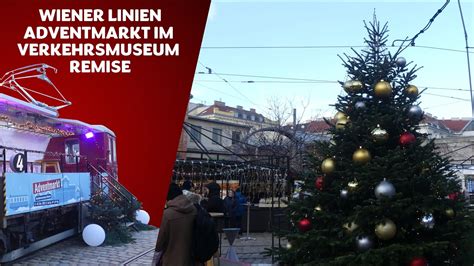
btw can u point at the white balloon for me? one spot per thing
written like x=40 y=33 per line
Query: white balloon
x=93 y=235
x=142 y=216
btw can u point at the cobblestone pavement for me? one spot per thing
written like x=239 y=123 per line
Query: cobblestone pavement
x=250 y=251
x=75 y=252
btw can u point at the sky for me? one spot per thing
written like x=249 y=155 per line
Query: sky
x=328 y=23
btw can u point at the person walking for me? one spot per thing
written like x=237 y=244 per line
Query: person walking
x=174 y=243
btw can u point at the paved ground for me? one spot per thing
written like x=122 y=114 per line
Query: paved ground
x=74 y=252
x=250 y=250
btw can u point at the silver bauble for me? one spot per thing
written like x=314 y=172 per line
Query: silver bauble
x=428 y=221
x=384 y=189
x=363 y=243
x=415 y=112
x=344 y=193
x=401 y=62
x=360 y=105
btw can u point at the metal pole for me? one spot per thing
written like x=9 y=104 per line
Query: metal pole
x=294 y=121
x=271 y=210
x=248 y=225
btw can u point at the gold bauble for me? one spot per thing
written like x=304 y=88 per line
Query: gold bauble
x=352 y=86
x=361 y=156
x=379 y=135
x=449 y=212
x=350 y=227
x=339 y=116
x=412 y=91
x=317 y=208
x=328 y=166
x=425 y=170
x=341 y=123
x=386 y=230
x=383 y=89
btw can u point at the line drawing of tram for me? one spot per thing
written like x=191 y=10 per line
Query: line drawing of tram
x=49 y=165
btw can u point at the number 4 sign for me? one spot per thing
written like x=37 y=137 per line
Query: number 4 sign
x=18 y=162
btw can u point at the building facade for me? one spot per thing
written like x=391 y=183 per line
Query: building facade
x=217 y=129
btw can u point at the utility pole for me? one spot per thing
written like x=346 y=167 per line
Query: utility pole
x=294 y=121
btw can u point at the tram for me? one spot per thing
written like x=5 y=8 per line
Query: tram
x=49 y=166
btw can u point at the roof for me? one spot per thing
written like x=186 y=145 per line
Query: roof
x=211 y=110
x=215 y=121
x=317 y=126
x=26 y=106
x=49 y=116
x=455 y=125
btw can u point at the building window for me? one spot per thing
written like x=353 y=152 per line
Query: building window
x=72 y=150
x=239 y=115
x=216 y=136
x=195 y=133
x=235 y=137
x=252 y=118
x=470 y=183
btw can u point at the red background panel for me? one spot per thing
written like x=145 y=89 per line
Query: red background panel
x=145 y=109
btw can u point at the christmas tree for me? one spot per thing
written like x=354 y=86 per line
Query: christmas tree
x=107 y=212
x=379 y=193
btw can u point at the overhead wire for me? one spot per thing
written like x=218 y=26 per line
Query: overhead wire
x=446 y=96
x=441 y=105
x=319 y=47
x=428 y=25
x=210 y=71
x=216 y=90
x=316 y=82
x=468 y=60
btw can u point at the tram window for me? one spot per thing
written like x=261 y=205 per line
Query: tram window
x=72 y=150
x=115 y=150
x=112 y=150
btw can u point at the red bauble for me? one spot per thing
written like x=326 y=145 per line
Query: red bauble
x=406 y=138
x=319 y=183
x=418 y=262
x=453 y=196
x=304 y=225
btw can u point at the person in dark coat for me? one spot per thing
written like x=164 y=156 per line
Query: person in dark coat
x=231 y=206
x=214 y=202
x=188 y=185
x=176 y=231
